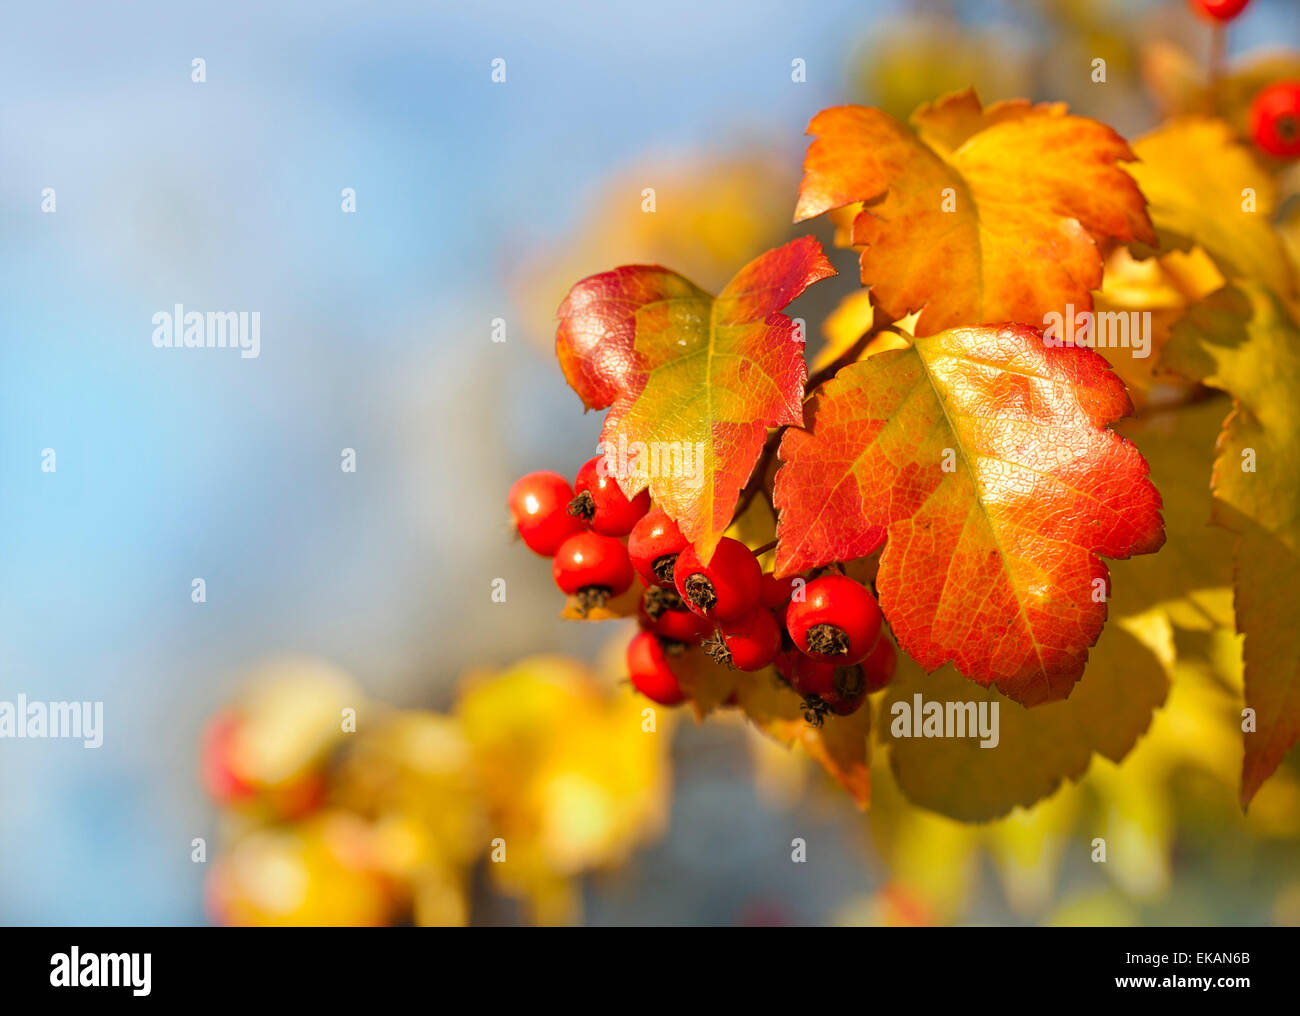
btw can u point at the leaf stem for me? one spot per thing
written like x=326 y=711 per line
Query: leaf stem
x=1218 y=54
x=757 y=479
x=847 y=357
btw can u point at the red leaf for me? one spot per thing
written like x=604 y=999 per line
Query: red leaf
x=695 y=380
x=982 y=456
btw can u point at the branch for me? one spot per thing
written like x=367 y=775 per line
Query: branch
x=849 y=356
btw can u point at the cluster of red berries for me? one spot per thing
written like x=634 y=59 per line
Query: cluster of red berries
x=823 y=635
x=580 y=528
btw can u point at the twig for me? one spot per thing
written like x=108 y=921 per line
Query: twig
x=758 y=478
x=1218 y=53
x=847 y=357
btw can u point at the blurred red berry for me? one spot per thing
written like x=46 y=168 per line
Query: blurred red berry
x=1218 y=10
x=648 y=670
x=217 y=771
x=1275 y=119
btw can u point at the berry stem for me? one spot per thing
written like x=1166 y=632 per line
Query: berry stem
x=758 y=478
x=1218 y=55
x=663 y=567
x=849 y=356
x=827 y=640
x=815 y=710
x=658 y=599
x=700 y=591
x=583 y=506
x=715 y=647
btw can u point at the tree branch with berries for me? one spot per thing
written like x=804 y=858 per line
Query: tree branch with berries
x=947 y=493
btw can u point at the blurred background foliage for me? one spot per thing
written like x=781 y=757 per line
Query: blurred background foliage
x=552 y=757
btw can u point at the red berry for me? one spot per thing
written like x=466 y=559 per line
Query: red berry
x=775 y=593
x=653 y=546
x=601 y=502
x=807 y=676
x=825 y=687
x=663 y=613
x=880 y=664
x=681 y=626
x=726 y=587
x=837 y=622
x=538 y=504
x=749 y=642
x=1219 y=10
x=849 y=692
x=1275 y=119
x=592 y=567
x=647 y=668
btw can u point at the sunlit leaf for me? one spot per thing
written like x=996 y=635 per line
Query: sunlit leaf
x=980 y=215
x=1204 y=188
x=1242 y=341
x=693 y=380
x=983 y=455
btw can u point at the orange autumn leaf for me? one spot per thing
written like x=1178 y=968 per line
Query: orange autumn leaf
x=692 y=382
x=981 y=457
x=979 y=215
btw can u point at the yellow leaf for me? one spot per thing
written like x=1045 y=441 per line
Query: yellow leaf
x=572 y=782
x=1161 y=287
x=1242 y=340
x=707 y=684
x=1036 y=749
x=756 y=526
x=1183 y=579
x=849 y=322
x=1203 y=188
